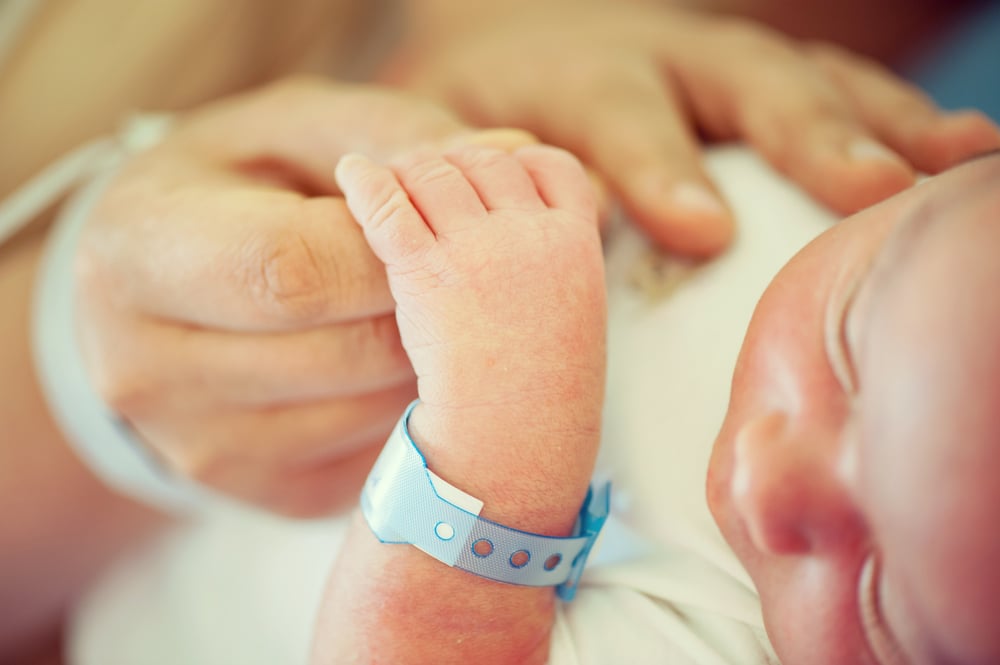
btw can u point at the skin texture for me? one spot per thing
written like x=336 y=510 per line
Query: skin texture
x=258 y=355
x=842 y=419
x=495 y=264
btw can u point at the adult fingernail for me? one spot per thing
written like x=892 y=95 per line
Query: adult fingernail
x=695 y=198
x=866 y=150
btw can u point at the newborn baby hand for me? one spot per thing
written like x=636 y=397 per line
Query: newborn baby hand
x=494 y=261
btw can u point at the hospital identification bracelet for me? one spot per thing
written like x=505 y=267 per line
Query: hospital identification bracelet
x=405 y=502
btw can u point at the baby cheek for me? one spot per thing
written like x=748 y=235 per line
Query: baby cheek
x=956 y=582
x=935 y=520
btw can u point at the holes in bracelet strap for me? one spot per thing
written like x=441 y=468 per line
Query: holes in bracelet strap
x=482 y=548
x=552 y=561
x=444 y=531
x=520 y=558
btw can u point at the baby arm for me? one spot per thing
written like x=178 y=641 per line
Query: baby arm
x=495 y=265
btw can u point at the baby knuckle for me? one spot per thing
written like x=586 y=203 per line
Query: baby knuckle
x=429 y=173
x=390 y=207
x=481 y=157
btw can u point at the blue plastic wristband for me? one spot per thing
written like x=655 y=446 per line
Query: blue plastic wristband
x=405 y=502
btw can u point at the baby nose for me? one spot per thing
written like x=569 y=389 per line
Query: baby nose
x=787 y=488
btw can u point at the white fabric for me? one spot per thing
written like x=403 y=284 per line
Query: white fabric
x=241 y=587
x=21 y=207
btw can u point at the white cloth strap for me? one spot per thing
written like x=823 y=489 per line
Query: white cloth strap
x=88 y=425
x=44 y=189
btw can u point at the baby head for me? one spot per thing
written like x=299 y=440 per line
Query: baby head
x=857 y=474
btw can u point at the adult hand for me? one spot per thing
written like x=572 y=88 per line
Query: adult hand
x=629 y=88
x=229 y=307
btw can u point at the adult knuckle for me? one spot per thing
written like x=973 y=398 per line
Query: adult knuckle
x=797 y=118
x=128 y=392
x=816 y=112
x=752 y=38
x=197 y=460
x=296 y=87
x=828 y=53
x=290 y=279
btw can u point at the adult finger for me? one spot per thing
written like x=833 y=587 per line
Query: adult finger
x=229 y=255
x=162 y=368
x=750 y=83
x=903 y=116
x=306 y=124
x=300 y=460
x=637 y=138
x=200 y=445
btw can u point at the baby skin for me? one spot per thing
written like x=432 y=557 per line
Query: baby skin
x=494 y=261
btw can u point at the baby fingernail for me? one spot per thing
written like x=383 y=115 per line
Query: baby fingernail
x=863 y=150
x=351 y=160
x=697 y=198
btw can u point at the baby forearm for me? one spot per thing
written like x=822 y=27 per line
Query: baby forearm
x=394 y=603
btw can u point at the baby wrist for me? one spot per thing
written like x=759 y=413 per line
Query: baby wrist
x=531 y=471
x=406 y=501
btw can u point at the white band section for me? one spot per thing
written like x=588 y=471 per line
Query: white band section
x=404 y=502
x=97 y=436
